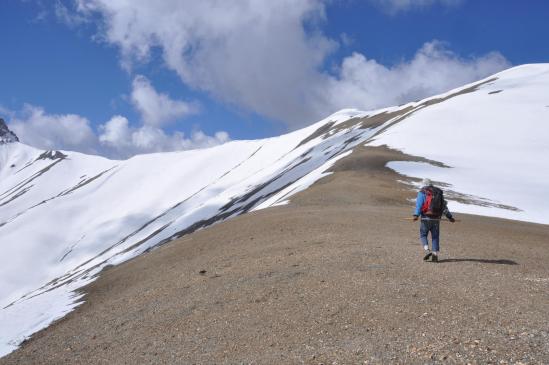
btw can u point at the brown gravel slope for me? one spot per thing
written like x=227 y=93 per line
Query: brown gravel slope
x=334 y=278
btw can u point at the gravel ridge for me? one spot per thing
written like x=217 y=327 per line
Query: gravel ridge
x=335 y=277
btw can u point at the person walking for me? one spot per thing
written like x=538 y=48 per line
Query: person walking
x=430 y=207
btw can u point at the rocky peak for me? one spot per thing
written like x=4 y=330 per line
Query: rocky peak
x=6 y=136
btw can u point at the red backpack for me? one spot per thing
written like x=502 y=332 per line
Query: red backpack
x=433 y=206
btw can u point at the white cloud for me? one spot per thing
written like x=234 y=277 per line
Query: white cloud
x=267 y=57
x=366 y=84
x=35 y=127
x=120 y=139
x=397 y=6
x=156 y=108
x=66 y=16
x=256 y=55
x=115 y=133
x=116 y=138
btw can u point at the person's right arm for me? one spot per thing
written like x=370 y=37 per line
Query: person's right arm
x=419 y=203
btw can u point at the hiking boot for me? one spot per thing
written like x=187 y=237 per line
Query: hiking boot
x=426 y=257
x=435 y=258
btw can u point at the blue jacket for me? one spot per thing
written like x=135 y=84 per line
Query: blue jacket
x=421 y=199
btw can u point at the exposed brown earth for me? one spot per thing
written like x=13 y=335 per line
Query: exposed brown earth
x=336 y=277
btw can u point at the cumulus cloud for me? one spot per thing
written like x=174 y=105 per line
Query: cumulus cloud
x=255 y=55
x=268 y=57
x=116 y=132
x=116 y=138
x=120 y=139
x=397 y=6
x=156 y=108
x=366 y=84
x=37 y=128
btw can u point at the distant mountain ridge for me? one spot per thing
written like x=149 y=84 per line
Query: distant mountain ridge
x=6 y=136
x=68 y=215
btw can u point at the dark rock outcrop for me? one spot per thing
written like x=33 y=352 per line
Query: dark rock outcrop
x=6 y=136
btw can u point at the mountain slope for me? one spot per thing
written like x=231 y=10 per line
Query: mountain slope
x=87 y=212
x=494 y=140
x=68 y=215
x=335 y=277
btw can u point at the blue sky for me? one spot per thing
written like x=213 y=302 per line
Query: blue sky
x=85 y=75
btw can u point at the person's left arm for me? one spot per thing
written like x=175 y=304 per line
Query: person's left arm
x=447 y=212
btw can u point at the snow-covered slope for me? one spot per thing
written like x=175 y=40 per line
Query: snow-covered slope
x=496 y=141
x=64 y=215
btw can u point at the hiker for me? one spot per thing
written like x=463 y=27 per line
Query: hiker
x=430 y=206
